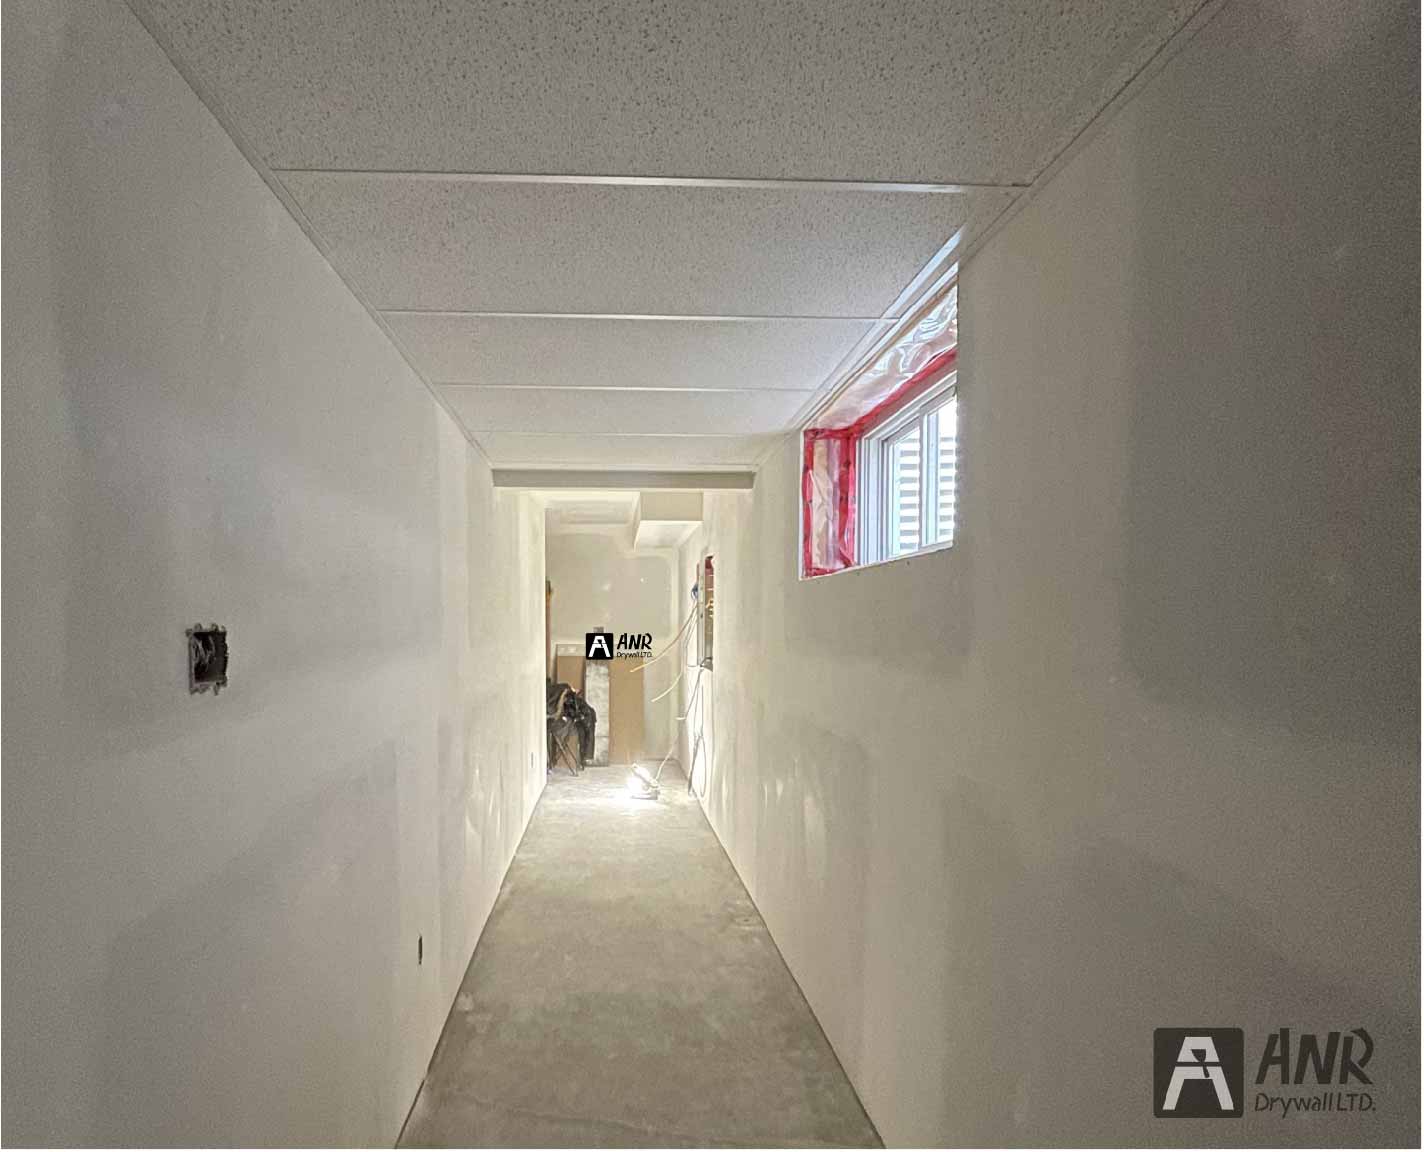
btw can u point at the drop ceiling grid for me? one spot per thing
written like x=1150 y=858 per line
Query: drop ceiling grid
x=945 y=91
x=791 y=354
x=624 y=452
x=401 y=138
x=457 y=246
x=622 y=410
x=800 y=268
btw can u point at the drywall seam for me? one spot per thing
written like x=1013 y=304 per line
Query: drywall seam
x=269 y=177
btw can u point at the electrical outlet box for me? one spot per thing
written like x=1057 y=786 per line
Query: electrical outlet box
x=207 y=658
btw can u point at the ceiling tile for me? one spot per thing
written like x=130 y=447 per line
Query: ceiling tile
x=575 y=410
x=620 y=352
x=521 y=450
x=980 y=91
x=479 y=247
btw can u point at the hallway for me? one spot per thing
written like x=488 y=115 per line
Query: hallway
x=979 y=440
x=625 y=992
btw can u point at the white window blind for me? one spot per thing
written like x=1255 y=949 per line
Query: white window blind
x=909 y=478
x=947 y=419
x=905 y=485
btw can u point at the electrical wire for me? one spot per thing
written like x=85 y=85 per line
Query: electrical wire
x=643 y=665
x=668 y=690
x=658 y=775
x=682 y=671
x=692 y=768
x=693 y=696
x=687 y=644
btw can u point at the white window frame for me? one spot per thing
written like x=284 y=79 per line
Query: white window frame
x=872 y=497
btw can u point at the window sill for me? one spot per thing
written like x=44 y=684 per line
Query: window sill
x=930 y=551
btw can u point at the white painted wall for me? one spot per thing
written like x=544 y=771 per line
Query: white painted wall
x=211 y=905
x=600 y=581
x=1142 y=749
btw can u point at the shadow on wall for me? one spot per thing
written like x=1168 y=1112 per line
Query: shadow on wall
x=287 y=952
x=813 y=863
x=1272 y=523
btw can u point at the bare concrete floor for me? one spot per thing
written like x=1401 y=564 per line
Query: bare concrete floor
x=626 y=993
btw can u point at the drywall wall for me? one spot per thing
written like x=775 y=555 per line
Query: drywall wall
x=601 y=581
x=1141 y=750
x=212 y=905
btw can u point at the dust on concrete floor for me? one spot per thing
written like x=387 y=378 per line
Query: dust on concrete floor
x=625 y=992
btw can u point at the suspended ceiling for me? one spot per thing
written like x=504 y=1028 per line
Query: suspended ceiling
x=640 y=234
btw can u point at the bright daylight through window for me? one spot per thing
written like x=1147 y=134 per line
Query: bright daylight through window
x=908 y=479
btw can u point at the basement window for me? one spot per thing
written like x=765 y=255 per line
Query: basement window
x=907 y=478
x=879 y=465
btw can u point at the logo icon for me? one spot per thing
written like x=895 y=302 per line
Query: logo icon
x=1198 y=1072
x=598 y=645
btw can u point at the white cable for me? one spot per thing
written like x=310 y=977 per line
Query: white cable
x=670 y=687
x=658 y=775
x=693 y=697
x=643 y=665
x=701 y=733
x=680 y=673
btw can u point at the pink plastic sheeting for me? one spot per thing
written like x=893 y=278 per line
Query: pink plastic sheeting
x=828 y=501
x=937 y=331
x=831 y=450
